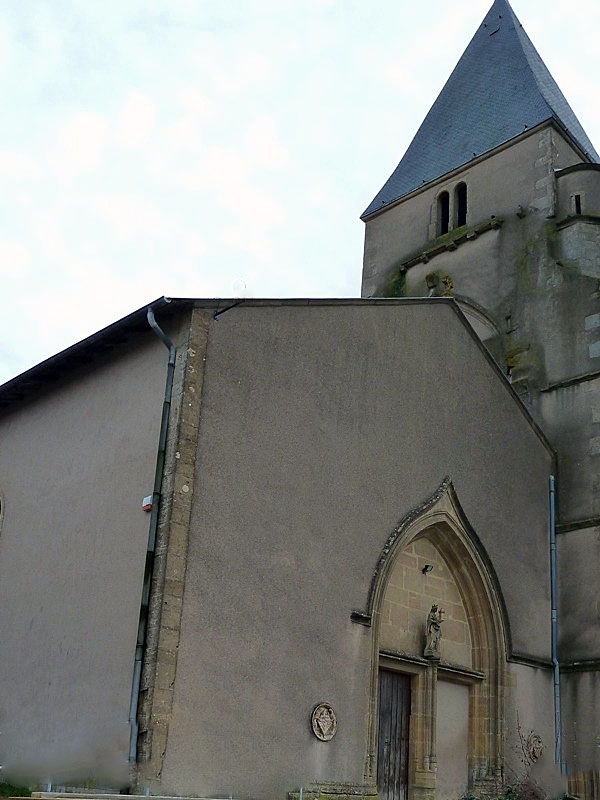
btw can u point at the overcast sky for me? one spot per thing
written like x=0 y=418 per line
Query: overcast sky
x=195 y=148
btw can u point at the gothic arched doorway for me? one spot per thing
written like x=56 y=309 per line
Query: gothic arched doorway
x=445 y=700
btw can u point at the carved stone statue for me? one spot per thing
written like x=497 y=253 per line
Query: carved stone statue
x=433 y=632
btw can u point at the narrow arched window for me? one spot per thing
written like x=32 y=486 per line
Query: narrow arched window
x=460 y=204
x=443 y=213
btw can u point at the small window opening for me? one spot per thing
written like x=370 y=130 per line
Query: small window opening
x=577 y=199
x=443 y=212
x=461 y=204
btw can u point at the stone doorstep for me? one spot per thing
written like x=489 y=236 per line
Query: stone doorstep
x=333 y=792
x=102 y=796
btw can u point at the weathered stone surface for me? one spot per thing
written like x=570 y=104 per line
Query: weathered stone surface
x=157 y=703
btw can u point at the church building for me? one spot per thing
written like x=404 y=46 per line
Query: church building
x=332 y=549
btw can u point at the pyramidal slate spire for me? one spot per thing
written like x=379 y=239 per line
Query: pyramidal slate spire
x=499 y=89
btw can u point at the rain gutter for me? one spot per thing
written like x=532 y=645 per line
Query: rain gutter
x=142 y=644
x=554 y=629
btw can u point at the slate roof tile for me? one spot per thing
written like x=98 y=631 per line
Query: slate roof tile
x=499 y=88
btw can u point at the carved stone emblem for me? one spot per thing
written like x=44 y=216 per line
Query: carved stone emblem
x=323 y=722
x=534 y=747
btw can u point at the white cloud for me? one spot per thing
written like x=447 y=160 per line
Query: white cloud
x=264 y=144
x=7 y=49
x=15 y=259
x=48 y=230
x=131 y=216
x=16 y=164
x=193 y=101
x=80 y=144
x=136 y=119
x=232 y=75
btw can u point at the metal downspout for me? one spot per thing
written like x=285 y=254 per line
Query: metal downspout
x=149 y=565
x=554 y=629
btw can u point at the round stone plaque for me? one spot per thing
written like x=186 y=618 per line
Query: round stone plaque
x=323 y=722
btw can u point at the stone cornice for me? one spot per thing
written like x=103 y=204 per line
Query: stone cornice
x=451 y=241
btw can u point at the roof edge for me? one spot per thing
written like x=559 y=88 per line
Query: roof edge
x=550 y=122
x=508 y=387
x=595 y=167
x=95 y=343
x=12 y=392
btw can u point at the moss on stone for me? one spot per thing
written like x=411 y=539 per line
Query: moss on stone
x=455 y=233
x=396 y=283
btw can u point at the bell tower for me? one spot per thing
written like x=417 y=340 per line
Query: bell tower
x=496 y=203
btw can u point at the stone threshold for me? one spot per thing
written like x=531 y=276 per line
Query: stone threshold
x=83 y=795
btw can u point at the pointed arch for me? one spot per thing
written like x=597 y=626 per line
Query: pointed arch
x=442 y=522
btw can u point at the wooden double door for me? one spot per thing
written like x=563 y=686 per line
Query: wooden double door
x=392 y=738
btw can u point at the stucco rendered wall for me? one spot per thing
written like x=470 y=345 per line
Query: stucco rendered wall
x=530 y=709
x=74 y=467
x=572 y=413
x=579 y=606
x=321 y=426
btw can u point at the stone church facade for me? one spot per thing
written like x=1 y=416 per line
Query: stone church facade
x=321 y=480
x=331 y=548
